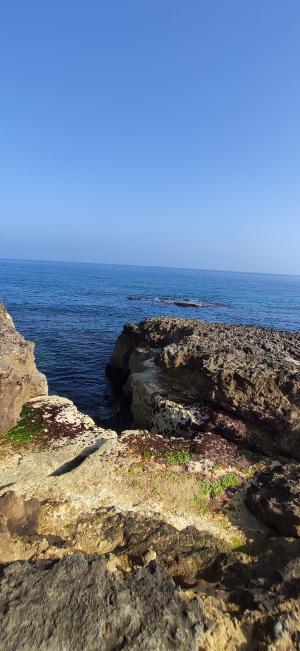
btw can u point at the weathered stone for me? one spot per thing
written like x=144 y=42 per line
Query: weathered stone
x=274 y=496
x=247 y=372
x=21 y=515
x=19 y=378
x=200 y=467
x=263 y=592
x=78 y=603
x=157 y=507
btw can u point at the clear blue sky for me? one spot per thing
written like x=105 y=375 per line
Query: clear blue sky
x=156 y=132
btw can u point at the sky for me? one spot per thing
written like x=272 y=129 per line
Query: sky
x=151 y=132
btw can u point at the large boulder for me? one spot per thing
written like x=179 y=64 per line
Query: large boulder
x=247 y=372
x=19 y=378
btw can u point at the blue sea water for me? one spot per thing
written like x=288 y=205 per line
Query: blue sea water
x=74 y=313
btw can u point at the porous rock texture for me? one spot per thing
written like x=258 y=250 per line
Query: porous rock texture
x=274 y=496
x=79 y=603
x=212 y=371
x=19 y=378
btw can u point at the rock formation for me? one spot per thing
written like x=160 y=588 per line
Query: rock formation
x=19 y=378
x=181 y=534
x=81 y=603
x=186 y=375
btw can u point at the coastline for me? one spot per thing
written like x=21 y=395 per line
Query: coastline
x=203 y=493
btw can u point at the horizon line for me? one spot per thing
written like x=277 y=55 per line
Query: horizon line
x=120 y=264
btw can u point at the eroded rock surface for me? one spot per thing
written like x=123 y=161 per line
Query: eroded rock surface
x=19 y=378
x=144 y=540
x=79 y=603
x=247 y=372
x=274 y=496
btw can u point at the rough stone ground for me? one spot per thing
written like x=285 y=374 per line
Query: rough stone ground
x=274 y=497
x=84 y=467
x=146 y=536
x=106 y=609
x=133 y=500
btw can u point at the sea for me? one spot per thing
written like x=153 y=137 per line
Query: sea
x=75 y=311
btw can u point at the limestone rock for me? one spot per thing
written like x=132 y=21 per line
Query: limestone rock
x=264 y=592
x=19 y=378
x=108 y=523
x=246 y=372
x=274 y=496
x=78 y=603
x=22 y=516
x=56 y=438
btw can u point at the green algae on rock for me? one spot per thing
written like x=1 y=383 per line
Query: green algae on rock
x=26 y=428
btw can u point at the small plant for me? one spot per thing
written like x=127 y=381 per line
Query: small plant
x=153 y=476
x=227 y=481
x=171 y=476
x=174 y=477
x=238 y=543
x=178 y=457
x=207 y=490
x=146 y=454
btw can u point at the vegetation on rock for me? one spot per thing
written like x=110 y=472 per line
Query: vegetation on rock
x=26 y=428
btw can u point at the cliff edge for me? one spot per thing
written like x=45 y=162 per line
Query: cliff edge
x=19 y=378
x=184 y=376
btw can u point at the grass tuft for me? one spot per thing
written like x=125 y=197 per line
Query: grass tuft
x=178 y=457
x=207 y=490
x=146 y=454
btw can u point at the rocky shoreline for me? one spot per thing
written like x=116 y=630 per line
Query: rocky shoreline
x=180 y=533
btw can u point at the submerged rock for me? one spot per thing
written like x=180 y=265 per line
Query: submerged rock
x=19 y=378
x=274 y=496
x=246 y=372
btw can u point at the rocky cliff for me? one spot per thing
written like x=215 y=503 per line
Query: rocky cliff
x=19 y=378
x=186 y=376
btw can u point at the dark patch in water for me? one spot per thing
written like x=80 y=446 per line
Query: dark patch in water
x=178 y=302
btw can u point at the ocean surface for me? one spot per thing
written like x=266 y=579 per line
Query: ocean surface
x=74 y=312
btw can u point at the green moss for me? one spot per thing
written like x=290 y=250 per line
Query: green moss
x=207 y=490
x=26 y=428
x=178 y=457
